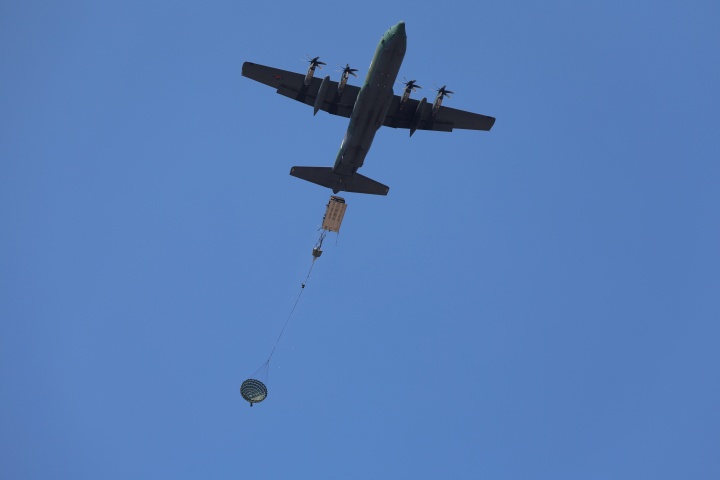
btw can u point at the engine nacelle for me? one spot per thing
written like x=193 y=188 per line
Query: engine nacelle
x=309 y=75
x=437 y=103
x=405 y=97
x=343 y=82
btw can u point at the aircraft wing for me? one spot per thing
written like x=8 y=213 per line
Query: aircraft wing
x=292 y=85
x=446 y=119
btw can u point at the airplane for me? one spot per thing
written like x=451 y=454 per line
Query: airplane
x=368 y=107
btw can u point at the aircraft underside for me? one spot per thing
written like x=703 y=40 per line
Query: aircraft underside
x=368 y=107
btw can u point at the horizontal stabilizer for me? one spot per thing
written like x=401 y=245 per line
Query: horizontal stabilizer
x=327 y=178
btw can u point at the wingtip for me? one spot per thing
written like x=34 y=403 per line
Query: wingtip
x=492 y=123
x=246 y=65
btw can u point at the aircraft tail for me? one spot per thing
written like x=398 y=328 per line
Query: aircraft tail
x=327 y=178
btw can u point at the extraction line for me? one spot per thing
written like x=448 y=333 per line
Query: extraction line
x=302 y=289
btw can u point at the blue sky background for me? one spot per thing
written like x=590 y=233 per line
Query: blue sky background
x=539 y=301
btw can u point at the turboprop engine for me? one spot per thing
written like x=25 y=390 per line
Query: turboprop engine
x=314 y=62
x=442 y=93
x=410 y=86
x=346 y=72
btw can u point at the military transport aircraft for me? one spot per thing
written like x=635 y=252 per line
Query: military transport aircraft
x=368 y=107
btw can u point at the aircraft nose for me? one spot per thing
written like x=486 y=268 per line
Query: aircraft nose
x=400 y=27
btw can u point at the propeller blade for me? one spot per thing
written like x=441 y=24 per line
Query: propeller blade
x=315 y=62
x=346 y=70
x=410 y=84
x=443 y=91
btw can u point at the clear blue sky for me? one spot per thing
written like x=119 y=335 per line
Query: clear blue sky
x=540 y=301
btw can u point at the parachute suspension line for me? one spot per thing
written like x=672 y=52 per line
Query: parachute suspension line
x=322 y=237
x=262 y=372
x=297 y=299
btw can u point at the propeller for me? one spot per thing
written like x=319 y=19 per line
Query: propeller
x=410 y=85
x=443 y=91
x=314 y=62
x=347 y=71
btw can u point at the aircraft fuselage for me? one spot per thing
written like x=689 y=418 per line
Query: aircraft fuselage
x=373 y=101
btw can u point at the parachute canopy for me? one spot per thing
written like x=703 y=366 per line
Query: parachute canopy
x=254 y=391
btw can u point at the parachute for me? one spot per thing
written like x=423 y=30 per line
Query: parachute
x=254 y=390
